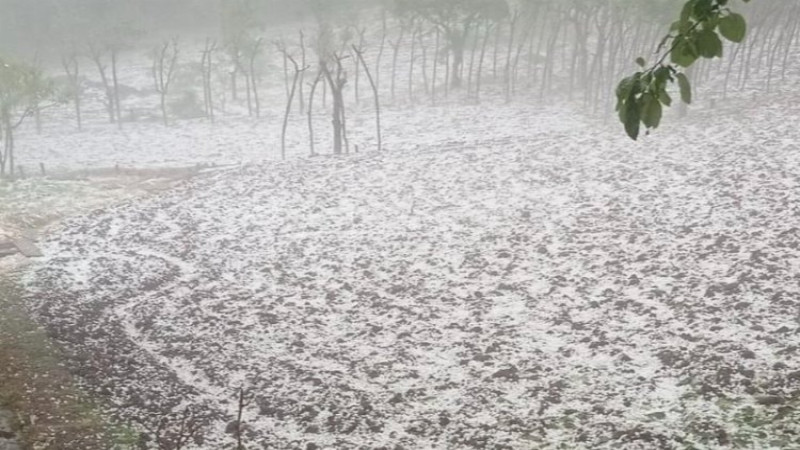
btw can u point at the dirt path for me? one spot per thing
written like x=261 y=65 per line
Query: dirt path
x=31 y=373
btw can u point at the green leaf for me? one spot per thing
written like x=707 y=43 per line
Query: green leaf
x=686 y=15
x=733 y=27
x=662 y=74
x=708 y=44
x=632 y=118
x=683 y=54
x=703 y=9
x=651 y=111
x=664 y=98
x=685 y=87
x=625 y=87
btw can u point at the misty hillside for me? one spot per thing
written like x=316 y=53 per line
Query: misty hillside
x=539 y=292
x=399 y=224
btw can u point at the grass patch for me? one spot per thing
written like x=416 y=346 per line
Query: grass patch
x=51 y=412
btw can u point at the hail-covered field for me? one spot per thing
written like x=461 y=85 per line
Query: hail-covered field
x=502 y=277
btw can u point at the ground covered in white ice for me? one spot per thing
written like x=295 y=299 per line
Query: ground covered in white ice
x=547 y=287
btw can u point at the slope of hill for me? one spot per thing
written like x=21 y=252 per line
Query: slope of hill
x=536 y=289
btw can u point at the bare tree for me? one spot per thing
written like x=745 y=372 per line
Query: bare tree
x=23 y=89
x=424 y=47
x=381 y=48
x=97 y=55
x=411 y=60
x=38 y=73
x=473 y=48
x=206 y=66
x=512 y=29
x=337 y=80
x=297 y=71
x=435 y=65
x=487 y=33
x=310 y=111
x=115 y=79
x=69 y=62
x=281 y=46
x=165 y=60
x=375 y=96
x=253 y=51
x=395 y=53
x=356 y=72
x=303 y=63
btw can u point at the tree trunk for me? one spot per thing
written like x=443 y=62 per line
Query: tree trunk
x=285 y=70
x=411 y=66
x=10 y=151
x=5 y=125
x=117 y=106
x=496 y=49
x=207 y=62
x=457 y=41
x=311 y=111
x=337 y=86
x=435 y=66
x=424 y=48
x=289 y=101
x=72 y=70
x=300 y=94
x=547 y=70
x=470 y=70
x=254 y=77
x=395 y=52
x=97 y=57
x=512 y=28
x=7 y=161
x=480 y=62
x=381 y=48
x=357 y=72
x=515 y=64
x=447 y=74
x=248 y=88
x=375 y=98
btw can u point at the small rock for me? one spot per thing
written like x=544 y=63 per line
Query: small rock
x=669 y=358
x=231 y=427
x=396 y=399
x=747 y=354
x=769 y=400
x=509 y=374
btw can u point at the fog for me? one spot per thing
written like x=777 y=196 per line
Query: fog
x=399 y=224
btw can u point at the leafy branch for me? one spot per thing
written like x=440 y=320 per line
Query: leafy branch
x=696 y=34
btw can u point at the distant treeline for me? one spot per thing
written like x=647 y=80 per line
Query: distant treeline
x=28 y=26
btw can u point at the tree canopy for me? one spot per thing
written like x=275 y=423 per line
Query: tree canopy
x=22 y=90
x=696 y=34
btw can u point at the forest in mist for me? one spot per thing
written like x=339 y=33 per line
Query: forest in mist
x=417 y=51
x=50 y=24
